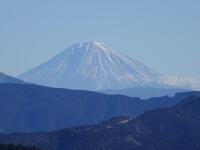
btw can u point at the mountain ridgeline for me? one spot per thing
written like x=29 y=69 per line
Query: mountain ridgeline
x=144 y=92
x=4 y=78
x=92 y=66
x=175 y=128
x=28 y=108
x=141 y=92
x=15 y=147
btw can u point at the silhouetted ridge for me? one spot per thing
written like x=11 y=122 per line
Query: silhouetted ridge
x=174 y=128
x=15 y=147
x=4 y=78
x=31 y=108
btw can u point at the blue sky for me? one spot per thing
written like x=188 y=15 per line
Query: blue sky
x=164 y=35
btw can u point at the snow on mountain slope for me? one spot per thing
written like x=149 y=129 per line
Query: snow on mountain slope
x=92 y=66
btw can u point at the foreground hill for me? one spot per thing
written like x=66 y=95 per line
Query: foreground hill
x=15 y=147
x=175 y=128
x=27 y=108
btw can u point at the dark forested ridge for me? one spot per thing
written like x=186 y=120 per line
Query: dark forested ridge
x=175 y=128
x=15 y=147
x=27 y=108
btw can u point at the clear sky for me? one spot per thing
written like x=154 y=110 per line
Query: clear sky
x=163 y=34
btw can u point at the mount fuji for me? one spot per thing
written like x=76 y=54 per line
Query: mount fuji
x=92 y=66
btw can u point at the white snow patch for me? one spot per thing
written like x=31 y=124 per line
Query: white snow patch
x=124 y=121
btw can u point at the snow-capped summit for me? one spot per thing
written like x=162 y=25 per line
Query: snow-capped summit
x=92 y=66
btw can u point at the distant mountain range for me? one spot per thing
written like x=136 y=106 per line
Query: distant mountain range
x=144 y=92
x=4 y=78
x=93 y=66
x=175 y=128
x=141 y=92
x=27 y=108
